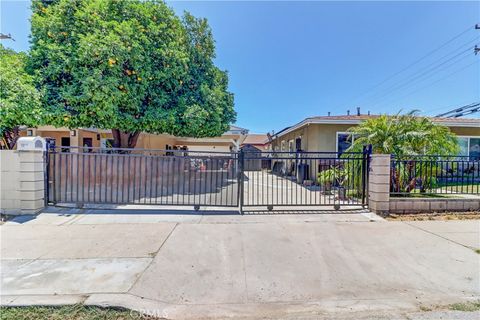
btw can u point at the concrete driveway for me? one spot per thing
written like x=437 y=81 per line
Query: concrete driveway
x=211 y=265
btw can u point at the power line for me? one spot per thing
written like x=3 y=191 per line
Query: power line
x=461 y=111
x=423 y=71
x=435 y=82
x=416 y=61
x=438 y=109
x=424 y=75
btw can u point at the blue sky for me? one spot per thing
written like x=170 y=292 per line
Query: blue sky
x=291 y=60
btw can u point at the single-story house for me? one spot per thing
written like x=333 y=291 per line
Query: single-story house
x=329 y=134
x=91 y=137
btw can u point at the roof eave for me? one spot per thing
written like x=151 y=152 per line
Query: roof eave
x=358 y=121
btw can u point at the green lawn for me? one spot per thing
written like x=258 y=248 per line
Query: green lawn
x=446 y=191
x=75 y=312
x=460 y=188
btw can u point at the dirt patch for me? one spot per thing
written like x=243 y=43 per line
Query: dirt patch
x=435 y=216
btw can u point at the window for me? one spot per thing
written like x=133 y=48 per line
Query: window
x=469 y=146
x=65 y=142
x=474 y=149
x=463 y=143
x=344 y=141
x=298 y=144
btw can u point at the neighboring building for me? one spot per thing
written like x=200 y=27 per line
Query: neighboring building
x=329 y=134
x=258 y=141
x=90 y=137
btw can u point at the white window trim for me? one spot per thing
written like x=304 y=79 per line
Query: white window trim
x=468 y=142
x=342 y=132
x=291 y=145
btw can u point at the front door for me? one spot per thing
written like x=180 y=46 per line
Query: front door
x=87 y=144
x=65 y=143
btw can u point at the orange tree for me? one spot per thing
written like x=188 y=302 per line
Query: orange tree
x=130 y=66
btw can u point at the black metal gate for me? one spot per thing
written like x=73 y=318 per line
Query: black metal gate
x=305 y=179
x=269 y=180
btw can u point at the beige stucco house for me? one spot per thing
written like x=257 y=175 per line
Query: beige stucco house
x=91 y=137
x=329 y=134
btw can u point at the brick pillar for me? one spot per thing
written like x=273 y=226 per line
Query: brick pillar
x=32 y=181
x=379 y=184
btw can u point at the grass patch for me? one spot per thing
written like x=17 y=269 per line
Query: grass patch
x=466 y=306
x=461 y=187
x=74 y=312
x=477 y=251
x=424 y=195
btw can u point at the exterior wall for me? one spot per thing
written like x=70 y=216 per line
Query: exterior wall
x=323 y=137
x=58 y=134
x=303 y=132
x=462 y=131
x=379 y=183
x=152 y=141
x=418 y=205
x=381 y=202
x=87 y=134
x=9 y=182
x=210 y=147
x=145 y=140
x=22 y=182
x=315 y=137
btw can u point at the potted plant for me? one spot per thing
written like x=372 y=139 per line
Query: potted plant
x=326 y=178
x=333 y=176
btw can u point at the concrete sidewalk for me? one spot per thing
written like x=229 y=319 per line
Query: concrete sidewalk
x=196 y=266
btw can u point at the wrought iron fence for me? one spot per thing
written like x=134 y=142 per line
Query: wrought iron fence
x=285 y=179
x=204 y=178
x=434 y=175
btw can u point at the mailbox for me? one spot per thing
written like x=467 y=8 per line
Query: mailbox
x=31 y=144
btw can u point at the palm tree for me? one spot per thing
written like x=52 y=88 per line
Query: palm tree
x=409 y=138
x=404 y=135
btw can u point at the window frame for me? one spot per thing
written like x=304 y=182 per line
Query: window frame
x=468 y=142
x=336 y=138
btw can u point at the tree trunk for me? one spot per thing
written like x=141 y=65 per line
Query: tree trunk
x=10 y=138
x=122 y=139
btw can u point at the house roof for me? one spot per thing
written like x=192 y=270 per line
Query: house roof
x=236 y=130
x=255 y=139
x=356 y=119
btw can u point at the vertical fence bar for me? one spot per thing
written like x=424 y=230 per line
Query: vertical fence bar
x=240 y=179
x=46 y=176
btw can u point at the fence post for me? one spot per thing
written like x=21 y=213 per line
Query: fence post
x=240 y=178
x=32 y=181
x=379 y=183
x=367 y=152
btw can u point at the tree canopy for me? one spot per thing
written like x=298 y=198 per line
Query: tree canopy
x=130 y=66
x=403 y=135
x=19 y=99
